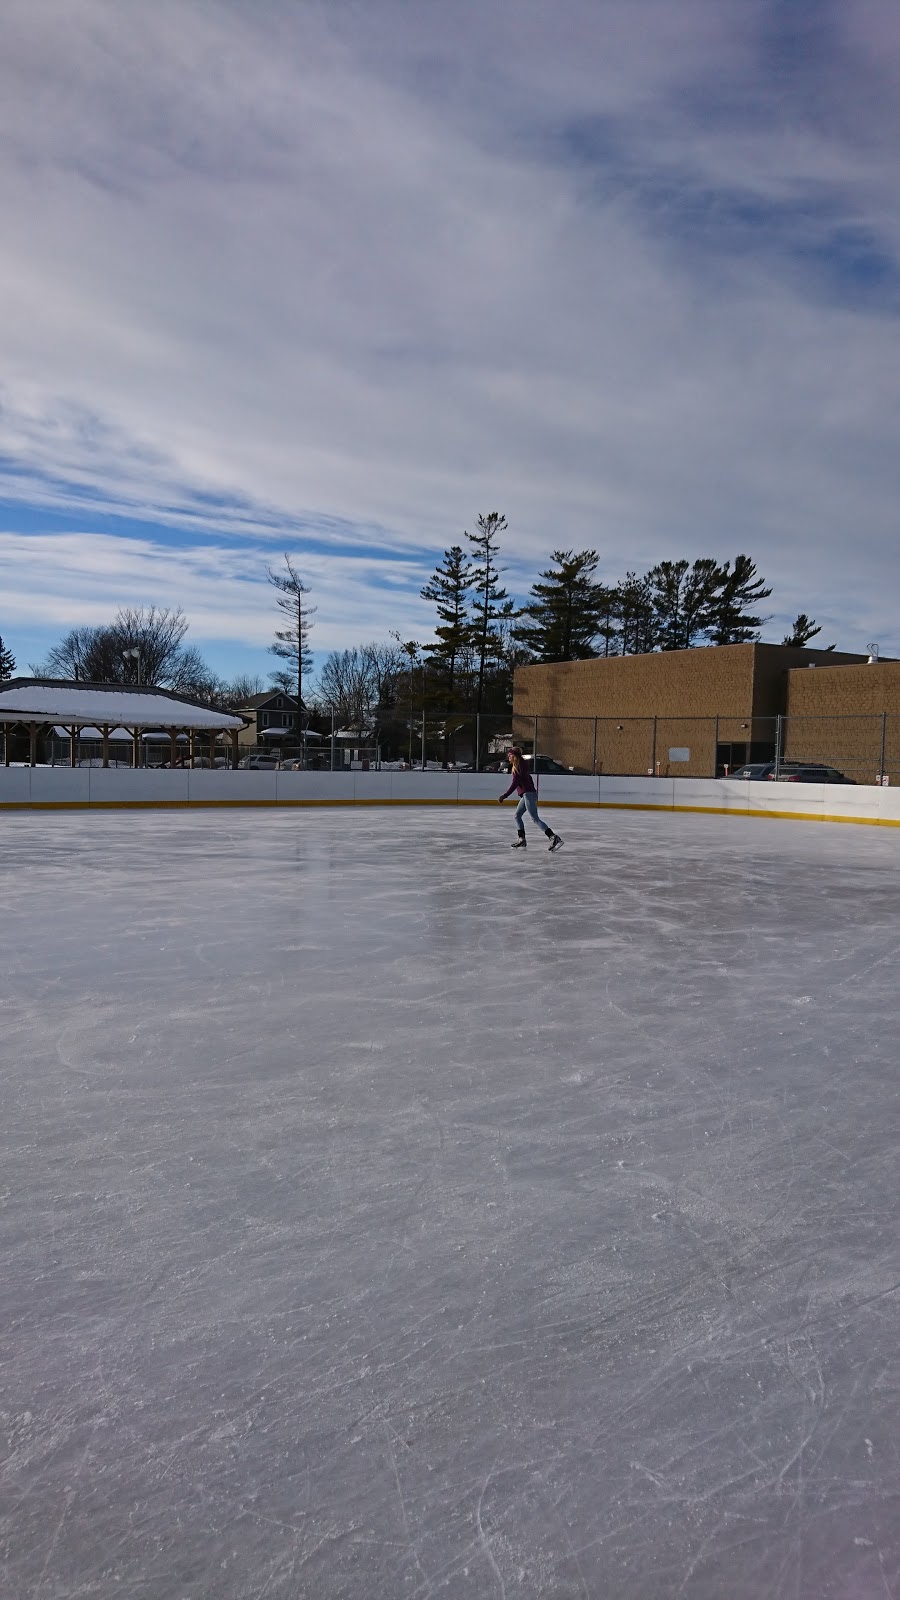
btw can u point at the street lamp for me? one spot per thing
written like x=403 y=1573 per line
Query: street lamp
x=411 y=649
x=134 y=655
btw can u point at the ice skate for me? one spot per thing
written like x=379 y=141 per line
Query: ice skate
x=520 y=844
x=556 y=842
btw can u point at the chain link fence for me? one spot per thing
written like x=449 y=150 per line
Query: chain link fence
x=858 y=749
x=862 y=749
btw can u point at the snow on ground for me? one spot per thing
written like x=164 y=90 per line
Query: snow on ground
x=388 y=1214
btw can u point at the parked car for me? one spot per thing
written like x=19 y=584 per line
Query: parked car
x=262 y=763
x=758 y=770
x=548 y=765
x=792 y=772
x=813 y=774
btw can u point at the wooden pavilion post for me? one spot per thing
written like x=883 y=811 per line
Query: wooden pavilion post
x=234 y=748
x=32 y=744
x=173 y=747
x=212 y=747
x=105 y=732
x=135 y=748
x=191 y=746
x=73 y=745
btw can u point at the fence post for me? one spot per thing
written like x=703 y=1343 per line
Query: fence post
x=535 y=772
x=332 y=740
x=715 y=771
x=478 y=741
x=594 y=757
x=653 y=752
x=883 y=740
x=778 y=745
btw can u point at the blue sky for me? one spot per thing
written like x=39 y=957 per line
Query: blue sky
x=334 y=278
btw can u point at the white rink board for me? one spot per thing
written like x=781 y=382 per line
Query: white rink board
x=141 y=787
x=120 y=786
x=60 y=785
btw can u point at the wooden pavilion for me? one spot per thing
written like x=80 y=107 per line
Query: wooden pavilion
x=34 y=706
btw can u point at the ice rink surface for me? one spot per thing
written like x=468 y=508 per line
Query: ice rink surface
x=386 y=1214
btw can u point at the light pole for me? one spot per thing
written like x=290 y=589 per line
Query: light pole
x=134 y=655
x=410 y=648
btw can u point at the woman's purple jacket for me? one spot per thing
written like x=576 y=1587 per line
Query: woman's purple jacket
x=521 y=782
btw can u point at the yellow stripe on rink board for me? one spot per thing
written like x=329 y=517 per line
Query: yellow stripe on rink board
x=388 y=800
x=737 y=811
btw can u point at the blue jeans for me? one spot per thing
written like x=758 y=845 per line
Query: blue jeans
x=528 y=803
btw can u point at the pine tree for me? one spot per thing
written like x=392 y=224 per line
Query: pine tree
x=634 y=608
x=488 y=595
x=566 y=609
x=292 y=642
x=608 y=626
x=448 y=590
x=737 y=588
x=681 y=596
x=804 y=629
x=7 y=663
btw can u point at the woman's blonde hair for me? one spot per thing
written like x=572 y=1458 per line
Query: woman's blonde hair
x=515 y=750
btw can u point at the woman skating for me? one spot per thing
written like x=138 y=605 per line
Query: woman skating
x=524 y=787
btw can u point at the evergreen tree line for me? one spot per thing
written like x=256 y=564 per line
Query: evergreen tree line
x=480 y=634
x=676 y=605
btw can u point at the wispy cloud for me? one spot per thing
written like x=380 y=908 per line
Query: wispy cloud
x=343 y=275
x=69 y=578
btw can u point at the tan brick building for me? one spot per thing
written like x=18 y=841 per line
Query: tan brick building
x=846 y=716
x=681 y=713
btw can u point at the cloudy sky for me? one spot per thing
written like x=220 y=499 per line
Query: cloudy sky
x=335 y=277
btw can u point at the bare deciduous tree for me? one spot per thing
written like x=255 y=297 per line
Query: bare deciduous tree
x=106 y=653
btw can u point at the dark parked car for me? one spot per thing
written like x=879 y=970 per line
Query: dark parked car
x=792 y=772
x=813 y=774
x=547 y=764
x=757 y=770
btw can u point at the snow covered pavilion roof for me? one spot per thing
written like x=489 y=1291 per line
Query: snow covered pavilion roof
x=106 y=704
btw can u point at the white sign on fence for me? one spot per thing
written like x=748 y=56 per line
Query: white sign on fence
x=679 y=752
